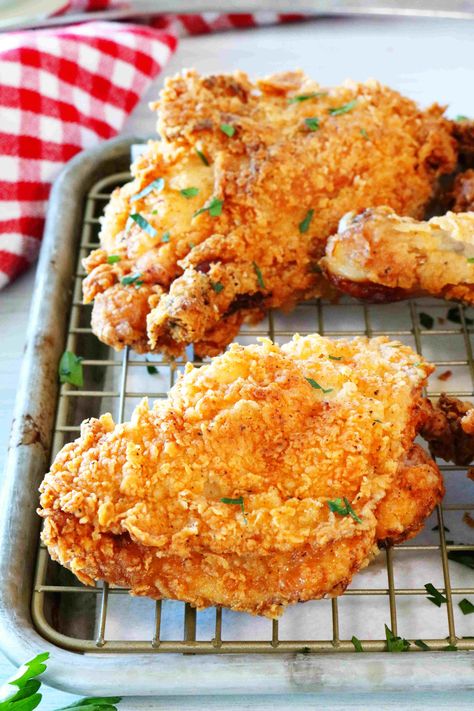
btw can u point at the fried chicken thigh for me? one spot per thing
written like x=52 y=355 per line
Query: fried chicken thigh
x=269 y=476
x=380 y=256
x=229 y=213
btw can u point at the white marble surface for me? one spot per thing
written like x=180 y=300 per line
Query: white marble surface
x=429 y=60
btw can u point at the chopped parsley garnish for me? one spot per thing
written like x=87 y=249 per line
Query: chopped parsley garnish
x=70 y=369
x=312 y=123
x=165 y=237
x=454 y=315
x=331 y=357
x=304 y=97
x=214 y=208
x=470 y=260
x=227 y=129
x=257 y=271
x=189 y=192
x=426 y=320
x=132 y=279
x=113 y=258
x=422 y=645
x=236 y=502
x=357 y=644
x=151 y=369
x=191 y=245
x=202 y=156
x=466 y=606
x=463 y=557
x=379 y=421
x=343 y=508
x=144 y=224
x=317 y=386
x=344 y=109
x=434 y=595
x=364 y=133
x=461 y=117
x=394 y=643
x=304 y=224
x=217 y=286
x=157 y=185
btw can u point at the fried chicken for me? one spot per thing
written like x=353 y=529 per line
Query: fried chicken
x=269 y=476
x=229 y=213
x=449 y=430
x=382 y=257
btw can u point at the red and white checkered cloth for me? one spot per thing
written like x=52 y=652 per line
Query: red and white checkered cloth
x=63 y=90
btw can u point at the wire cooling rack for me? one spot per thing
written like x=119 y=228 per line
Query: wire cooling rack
x=390 y=592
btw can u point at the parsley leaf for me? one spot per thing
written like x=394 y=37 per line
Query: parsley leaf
x=461 y=117
x=364 y=133
x=217 y=286
x=422 y=645
x=165 y=237
x=467 y=608
x=454 y=315
x=434 y=595
x=236 y=502
x=227 y=129
x=152 y=370
x=331 y=357
x=463 y=557
x=113 y=258
x=25 y=696
x=317 y=386
x=304 y=224
x=312 y=123
x=304 y=97
x=157 y=185
x=132 y=279
x=100 y=703
x=344 y=109
x=202 y=156
x=214 y=208
x=257 y=271
x=357 y=644
x=70 y=369
x=426 y=320
x=189 y=192
x=470 y=260
x=395 y=644
x=336 y=506
x=144 y=224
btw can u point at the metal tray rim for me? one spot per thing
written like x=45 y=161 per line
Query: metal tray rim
x=27 y=460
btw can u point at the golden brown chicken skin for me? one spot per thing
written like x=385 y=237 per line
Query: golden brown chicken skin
x=267 y=477
x=233 y=207
x=380 y=256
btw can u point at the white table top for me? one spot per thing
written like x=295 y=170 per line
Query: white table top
x=429 y=60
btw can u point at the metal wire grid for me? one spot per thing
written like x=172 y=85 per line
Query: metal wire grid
x=82 y=627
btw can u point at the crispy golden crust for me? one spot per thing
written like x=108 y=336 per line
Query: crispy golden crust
x=380 y=256
x=449 y=429
x=141 y=504
x=268 y=175
x=417 y=489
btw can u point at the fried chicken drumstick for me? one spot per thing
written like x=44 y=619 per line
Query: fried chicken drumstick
x=382 y=257
x=269 y=476
x=229 y=213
